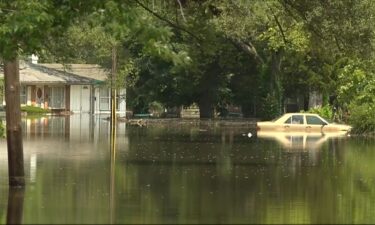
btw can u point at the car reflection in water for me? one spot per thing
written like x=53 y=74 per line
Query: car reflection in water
x=300 y=140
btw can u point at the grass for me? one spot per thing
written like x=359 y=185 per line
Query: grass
x=34 y=110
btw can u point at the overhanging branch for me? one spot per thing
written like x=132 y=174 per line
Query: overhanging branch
x=167 y=21
x=247 y=47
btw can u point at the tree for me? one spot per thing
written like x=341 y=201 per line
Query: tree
x=25 y=27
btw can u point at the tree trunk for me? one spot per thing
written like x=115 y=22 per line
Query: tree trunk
x=276 y=82
x=13 y=120
x=206 y=111
x=315 y=99
x=15 y=205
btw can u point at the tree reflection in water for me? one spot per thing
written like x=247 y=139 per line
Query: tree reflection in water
x=15 y=205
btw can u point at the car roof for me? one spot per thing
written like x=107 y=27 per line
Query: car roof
x=308 y=114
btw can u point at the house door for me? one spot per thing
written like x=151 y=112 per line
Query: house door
x=85 y=99
x=39 y=96
x=80 y=98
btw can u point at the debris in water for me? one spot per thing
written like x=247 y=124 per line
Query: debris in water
x=248 y=135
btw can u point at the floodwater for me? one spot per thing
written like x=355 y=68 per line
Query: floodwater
x=197 y=172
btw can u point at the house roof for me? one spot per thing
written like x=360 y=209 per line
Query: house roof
x=61 y=74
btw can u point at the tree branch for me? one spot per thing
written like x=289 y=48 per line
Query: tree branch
x=167 y=21
x=290 y=7
x=278 y=24
x=281 y=29
x=182 y=12
x=247 y=47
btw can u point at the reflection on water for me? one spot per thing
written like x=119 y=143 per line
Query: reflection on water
x=187 y=174
x=15 y=205
x=301 y=140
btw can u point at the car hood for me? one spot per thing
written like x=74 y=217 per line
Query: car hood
x=342 y=127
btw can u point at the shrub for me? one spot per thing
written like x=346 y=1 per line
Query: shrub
x=325 y=111
x=2 y=129
x=34 y=110
x=362 y=118
x=269 y=107
x=156 y=108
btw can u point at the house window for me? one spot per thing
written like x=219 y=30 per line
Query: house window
x=57 y=97
x=105 y=98
x=23 y=95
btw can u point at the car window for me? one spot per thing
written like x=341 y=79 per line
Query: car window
x=289 y=120
x=297 y=119
x=314 y=120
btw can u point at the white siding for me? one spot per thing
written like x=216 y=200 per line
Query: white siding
x=85 y=98
x=96 y=102
x=28 y=95
x=75 y=100
x=122 y=102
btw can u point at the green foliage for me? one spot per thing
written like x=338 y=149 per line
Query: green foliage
x=324 y=111
x=351 y=81
x=156 y=108
x=2 y=129
x=355 y=92
x=27 y=25
x=34 y=110
x=270 y=107
x=362 y=118
x=213 y=53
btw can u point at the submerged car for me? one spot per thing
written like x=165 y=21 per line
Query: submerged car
x=302 y=122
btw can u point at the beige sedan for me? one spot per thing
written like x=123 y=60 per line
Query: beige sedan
x=302 y=122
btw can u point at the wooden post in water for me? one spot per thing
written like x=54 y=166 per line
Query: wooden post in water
x=112 y=197
x=13 y=123
x=113 y=135
x=113 y=100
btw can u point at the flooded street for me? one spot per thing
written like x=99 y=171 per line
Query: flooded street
x=200 y=173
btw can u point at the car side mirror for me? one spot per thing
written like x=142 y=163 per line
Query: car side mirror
x=324 y=123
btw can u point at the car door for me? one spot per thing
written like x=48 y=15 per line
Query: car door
x=294 y=123
x=314 y=124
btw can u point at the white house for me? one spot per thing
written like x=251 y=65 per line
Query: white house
x=79 y=88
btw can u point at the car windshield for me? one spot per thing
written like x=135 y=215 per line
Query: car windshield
x=326 y=120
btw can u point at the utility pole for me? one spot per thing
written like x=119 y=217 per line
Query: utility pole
x=113 y=134
x=13 y=123
x=113 y=99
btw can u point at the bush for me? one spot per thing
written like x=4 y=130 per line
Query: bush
x=270 y=107
x=325 y=111
x=34 y=110
x=2 y=129
x=362 y=118
x=156 y=108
